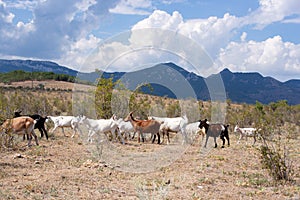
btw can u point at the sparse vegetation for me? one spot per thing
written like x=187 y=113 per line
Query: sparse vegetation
x=277 y=162
x=245 y=171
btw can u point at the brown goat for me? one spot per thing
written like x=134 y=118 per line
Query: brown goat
x=144 y=126
x=20 y=126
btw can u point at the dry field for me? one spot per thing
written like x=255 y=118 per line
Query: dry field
x=69 y=168
x=47 y=84
x=65 y=168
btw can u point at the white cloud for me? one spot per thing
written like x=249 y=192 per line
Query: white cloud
x=76 y=53
x=53 y=27
x=211 y=33
x=168 y=2
x=243 y=36
x=133 y=7
x=160 y=19
x=271 y=11
x=24 y=4
x=272 y=57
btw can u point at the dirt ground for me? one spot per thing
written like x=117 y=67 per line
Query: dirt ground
x=65 y=168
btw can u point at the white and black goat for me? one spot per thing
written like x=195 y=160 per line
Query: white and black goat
x=215 y=130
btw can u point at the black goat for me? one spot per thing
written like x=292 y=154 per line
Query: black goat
x=40 y=122
x=215 y=130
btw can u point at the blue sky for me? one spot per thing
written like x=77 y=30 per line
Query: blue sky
x=248 y=35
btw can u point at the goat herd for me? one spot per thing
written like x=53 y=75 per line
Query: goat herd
x=25 y=125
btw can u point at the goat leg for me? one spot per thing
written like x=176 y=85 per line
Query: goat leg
x=223 y=140
x=158 y=138
x=215 y=139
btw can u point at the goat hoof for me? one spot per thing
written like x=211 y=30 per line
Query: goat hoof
x=222 y=147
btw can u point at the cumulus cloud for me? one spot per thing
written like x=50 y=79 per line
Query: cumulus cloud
x=211 y=33
x=272 y=57
x=270 y=11
x=54 y=27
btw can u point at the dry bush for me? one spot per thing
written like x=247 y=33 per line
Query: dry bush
x=277 y=161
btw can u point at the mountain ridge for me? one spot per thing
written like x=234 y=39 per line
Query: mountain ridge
x=240 y=87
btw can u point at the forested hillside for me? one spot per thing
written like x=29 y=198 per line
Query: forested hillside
x=19 y=75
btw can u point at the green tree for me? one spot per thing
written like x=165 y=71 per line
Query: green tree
x=103 y=97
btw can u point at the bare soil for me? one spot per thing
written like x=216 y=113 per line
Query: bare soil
x=64 y=168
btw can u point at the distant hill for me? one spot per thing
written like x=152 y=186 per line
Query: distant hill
x=251 y=87
x=175 y=82
x=32 y=65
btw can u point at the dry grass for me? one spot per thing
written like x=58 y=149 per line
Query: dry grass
x=63 y=168
x=47 y=84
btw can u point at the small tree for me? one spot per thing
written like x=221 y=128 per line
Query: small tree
x=103 y=97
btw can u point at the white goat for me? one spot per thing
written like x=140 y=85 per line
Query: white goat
x=176 y=124
x=125 y=127
x=192 y=129
x=66 y=121
x=101 y=126
x=246 y=132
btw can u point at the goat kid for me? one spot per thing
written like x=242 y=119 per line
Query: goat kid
x=246 y=132
x=20 y=126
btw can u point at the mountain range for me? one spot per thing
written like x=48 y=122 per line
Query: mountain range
x=170 y=80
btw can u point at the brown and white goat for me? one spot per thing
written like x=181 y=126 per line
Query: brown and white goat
x=144 y=126
x=40 y=122
x=20 y=126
